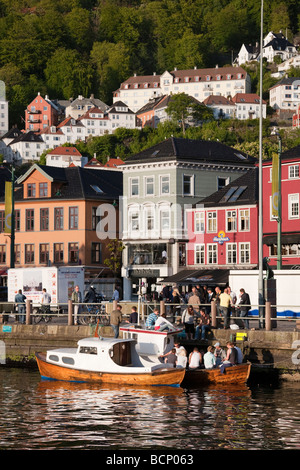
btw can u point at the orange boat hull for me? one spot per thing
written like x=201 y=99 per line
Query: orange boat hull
x=233 y=375
x=172 y=377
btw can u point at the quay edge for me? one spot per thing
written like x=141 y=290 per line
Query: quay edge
x=273 y=354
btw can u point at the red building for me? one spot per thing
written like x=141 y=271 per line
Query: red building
x=222 y=229
x=290 y=189
x=40 y=113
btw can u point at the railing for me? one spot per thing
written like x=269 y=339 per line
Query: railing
x=173 y=311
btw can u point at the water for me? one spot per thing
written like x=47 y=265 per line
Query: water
x=36 y=414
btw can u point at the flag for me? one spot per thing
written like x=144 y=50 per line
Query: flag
x=8 y=207
x=275 y=185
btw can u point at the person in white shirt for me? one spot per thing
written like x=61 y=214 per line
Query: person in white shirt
x=209 y=358
x=195 y=359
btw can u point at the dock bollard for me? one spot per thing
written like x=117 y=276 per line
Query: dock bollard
x=28 y=311
x=268 y=316
x=213 y=314
x=70 y=313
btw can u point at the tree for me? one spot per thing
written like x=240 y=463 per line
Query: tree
x=114 y=260
x=183 y=106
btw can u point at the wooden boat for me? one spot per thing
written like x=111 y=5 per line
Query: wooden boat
x=106 y=360
x=237 y=374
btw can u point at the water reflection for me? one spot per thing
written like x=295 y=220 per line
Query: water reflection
x=37 y=414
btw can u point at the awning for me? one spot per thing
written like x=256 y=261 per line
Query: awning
x=3 y=272
x=208 y=277
x=285 y=238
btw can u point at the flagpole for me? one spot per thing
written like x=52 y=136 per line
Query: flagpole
x=260 y=199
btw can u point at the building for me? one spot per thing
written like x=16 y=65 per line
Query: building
x=223 y=228
x=159 y=184
x=63 y=157
x=290 y=190
x=248 y=106
x=4 y=111
x=41 y=113
x=223 y=108
x=57 y=212
x=78 y=107
x=296 y=118
x=28 y=147
x=198 y=83
x=53 y=137
x=285 y=95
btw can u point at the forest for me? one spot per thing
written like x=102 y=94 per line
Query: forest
x=66 y=48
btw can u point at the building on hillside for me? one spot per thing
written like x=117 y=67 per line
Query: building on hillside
x=81 y=105
x=248 y=106
x=28 y=146
x=147 y=116
x=223 y=108
x=53 y=137
x=57 y=216
x=160 y=183
x=296 y=118
x=41 y=113
x=284 y=96
x=198 y=83
x=290 y=193
x=63 y=157
x=4 y=111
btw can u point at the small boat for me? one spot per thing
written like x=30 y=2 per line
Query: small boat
x=236 y=374
x=106 y=360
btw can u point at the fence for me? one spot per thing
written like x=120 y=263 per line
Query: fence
x=173 y=312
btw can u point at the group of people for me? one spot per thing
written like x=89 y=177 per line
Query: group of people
x=215 y=356
x=20 y=300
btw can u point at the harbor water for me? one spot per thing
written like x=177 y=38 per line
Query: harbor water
x=47 y=415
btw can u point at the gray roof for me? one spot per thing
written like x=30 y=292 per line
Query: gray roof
x=191 y=151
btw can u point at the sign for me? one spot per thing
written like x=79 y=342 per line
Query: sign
x=221 y=238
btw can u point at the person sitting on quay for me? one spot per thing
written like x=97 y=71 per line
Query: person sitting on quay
x=219 y=354
x=209 y=358
x=203 y=326
x=151 y=319
x=231 y=357
x=162 y=323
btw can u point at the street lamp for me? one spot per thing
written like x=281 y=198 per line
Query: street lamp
x=277 y=208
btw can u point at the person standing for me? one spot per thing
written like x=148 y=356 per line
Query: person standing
x=46 y=300
x=116 y=319
x=19 y=300
x=76 y=299
x=225 y=302
x=244 y=306
x=188 y=319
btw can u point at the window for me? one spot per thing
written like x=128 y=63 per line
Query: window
x=29 y=253
x=188 y=189
x=211 y=222
x=29 y=219
x=212 y=257
x=244 y=224
x=165 y=219
x=73 y=218
x=2 y=254
x=58 y=218
x=182 y=254
x=134 y=224
x=31 y=190
x=231 y=221
x=44 y=253
x=17 y=220
x=43 y=188
x=200 y=254
x=222 y=182
x=58 y=249
x=2 y=221
x=44 y=219
x=95 y=218
x=293 y=171
x=18 y=254
x=199 y=222
x=149 y=219
x=134 y=187
x=96 y=252
x=73 y=251
x=244 y=253
x=149 y=185
x=293 y=206
x=165 y=184
x=231 y=253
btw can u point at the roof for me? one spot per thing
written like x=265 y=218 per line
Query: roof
x=79 y=183
x=279 y=43
x=252 y=98
x=243 y=190
x=152 y=103
x=28 y=137
x=5 y=175
x=82 y=101
x=208 y=277
x=217 y=100
x=192 y=151
x=65 y=151
x=285 y=81
x=292 y=154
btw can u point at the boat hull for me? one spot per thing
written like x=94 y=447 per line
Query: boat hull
x=164 y=376
x=232 y=375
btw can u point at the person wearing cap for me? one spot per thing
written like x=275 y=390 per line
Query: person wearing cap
x=219 y=354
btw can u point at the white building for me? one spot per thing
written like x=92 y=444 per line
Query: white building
x=81 y=105
x=248 y=106
x=4 y=121
x=53 y=137
x=198 y=83
x=28 y=146
x=63 y=157
x=222 y=107
x=285 y=95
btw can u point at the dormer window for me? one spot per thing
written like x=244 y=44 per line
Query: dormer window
x=176 y=80
x=196 y=79
x=228 y=76
x=146 y=85
x=136 y=85
x=207 y=78
x=186 y=79
x=155 y=85
x=218 y=77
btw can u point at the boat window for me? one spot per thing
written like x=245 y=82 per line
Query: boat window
x=68 y=360
x=53 y=357
x=88 y=350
